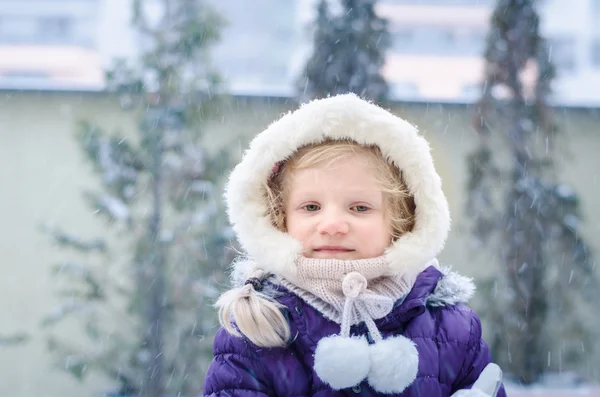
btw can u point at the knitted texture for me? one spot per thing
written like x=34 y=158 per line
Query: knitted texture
x=348 y=290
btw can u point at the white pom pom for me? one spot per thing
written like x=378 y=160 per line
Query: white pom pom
x=342 y=362
x=394 y=364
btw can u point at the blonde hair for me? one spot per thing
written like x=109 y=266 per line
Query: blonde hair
x=400 y=204
x=259 y=316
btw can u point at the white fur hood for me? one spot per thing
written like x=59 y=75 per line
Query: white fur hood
x=339 y=117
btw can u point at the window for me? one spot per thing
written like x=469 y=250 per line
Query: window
x=595 y=53
x=15 y=29
x=562 y=53
x=53 y=29
x=402 y=38
x=439 y=40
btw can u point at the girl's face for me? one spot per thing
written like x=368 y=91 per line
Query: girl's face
x=338 y=211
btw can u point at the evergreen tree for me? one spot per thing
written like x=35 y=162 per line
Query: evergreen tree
x=348 y=53
x=144 y=292
x=13 y=339
x=522 y=212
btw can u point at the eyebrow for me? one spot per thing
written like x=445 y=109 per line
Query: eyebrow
x=358 y=195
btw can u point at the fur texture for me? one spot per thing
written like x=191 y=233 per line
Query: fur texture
x=390 y=365
x=451 y=289
x=394 y=364
x=342 y=362
x=340 y=117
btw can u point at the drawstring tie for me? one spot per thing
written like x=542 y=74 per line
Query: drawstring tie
x=390 y=365
x=367 y=304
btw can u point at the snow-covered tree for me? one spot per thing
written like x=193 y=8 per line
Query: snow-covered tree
x=348 y=53
x=13 y=339
x=540 y=306
x=144 y=291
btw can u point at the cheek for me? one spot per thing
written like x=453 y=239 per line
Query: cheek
x=382 y=229
x=369 y=230
x=294 y=226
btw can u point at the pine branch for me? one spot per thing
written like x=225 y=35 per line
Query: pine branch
x=67 y=240
x=14 y=339
x=109 y=206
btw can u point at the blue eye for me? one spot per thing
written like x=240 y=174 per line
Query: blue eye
x=311 y=207
x=361 y=208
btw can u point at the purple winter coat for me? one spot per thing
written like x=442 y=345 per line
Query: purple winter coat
x=452 y=353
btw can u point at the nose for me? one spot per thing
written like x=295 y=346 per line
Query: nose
x=333 y=223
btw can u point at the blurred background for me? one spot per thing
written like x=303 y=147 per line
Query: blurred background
x=120 y=121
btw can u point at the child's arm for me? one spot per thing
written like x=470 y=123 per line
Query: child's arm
x=241 y=369
x=478 y=356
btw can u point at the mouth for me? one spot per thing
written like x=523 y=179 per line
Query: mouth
x=332 y=249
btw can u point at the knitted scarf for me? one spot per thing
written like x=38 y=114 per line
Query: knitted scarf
x=349 y=291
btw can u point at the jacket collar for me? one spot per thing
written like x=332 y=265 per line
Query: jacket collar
x=434 y=287
x=414 y=304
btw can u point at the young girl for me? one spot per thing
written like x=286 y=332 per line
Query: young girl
x=341 y=214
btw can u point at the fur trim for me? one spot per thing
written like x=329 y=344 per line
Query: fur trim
x=339 y=117
x=342 y=362
x=241 y=270
x=394 y=365
x=451 y=289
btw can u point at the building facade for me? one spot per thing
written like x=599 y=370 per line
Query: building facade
x=437 y=48
x=435 y=55
x=50 y=44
